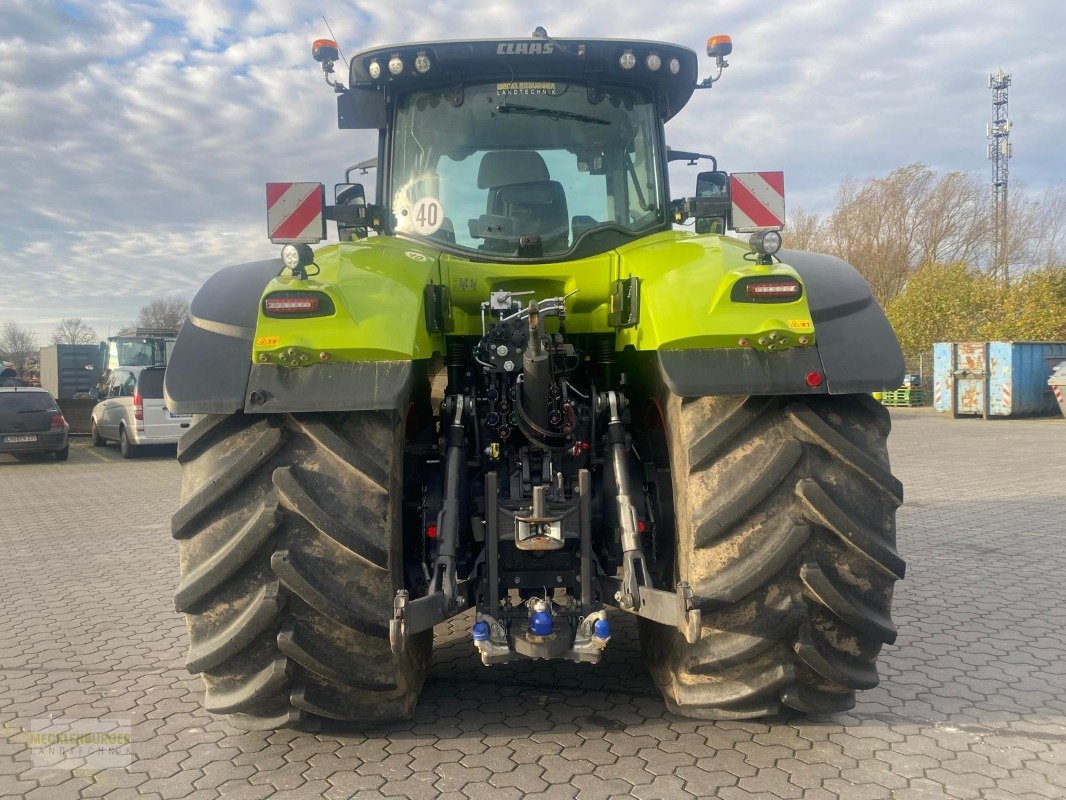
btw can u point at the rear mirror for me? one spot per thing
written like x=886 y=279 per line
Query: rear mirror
x=350 y=194
x=712 y=184
x=712 y=204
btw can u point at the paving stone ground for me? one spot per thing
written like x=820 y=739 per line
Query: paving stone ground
x=972 y=702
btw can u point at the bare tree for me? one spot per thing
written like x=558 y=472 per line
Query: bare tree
x=164 y=313
x=806 y=230
x=74 y=330
x=17 y=343
x=889 y=227
x=1047 y=245
x=874 y=227
x=952 y=219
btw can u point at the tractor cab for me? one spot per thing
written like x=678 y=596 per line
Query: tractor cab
x=537 y=149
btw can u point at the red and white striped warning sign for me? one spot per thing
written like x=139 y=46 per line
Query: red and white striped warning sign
x=758 y=200
x=295 y=213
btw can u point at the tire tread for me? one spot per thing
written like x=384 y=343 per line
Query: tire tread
x=785 y=531
x=288 y=574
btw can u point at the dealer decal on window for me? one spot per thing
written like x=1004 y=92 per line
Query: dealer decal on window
x=516 y=88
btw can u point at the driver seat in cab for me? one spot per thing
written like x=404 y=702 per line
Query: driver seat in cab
x=521 y=192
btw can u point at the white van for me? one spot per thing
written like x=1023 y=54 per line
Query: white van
x=133 y=413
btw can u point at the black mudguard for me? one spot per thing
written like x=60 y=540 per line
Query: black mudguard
x=210 y=367
x=857 y=349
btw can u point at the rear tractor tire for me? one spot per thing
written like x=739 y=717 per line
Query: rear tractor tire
x=291 y=545
x=784 y=526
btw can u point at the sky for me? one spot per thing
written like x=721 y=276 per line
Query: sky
x=135 y=137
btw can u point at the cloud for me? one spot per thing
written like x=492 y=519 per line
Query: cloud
x=136 y=137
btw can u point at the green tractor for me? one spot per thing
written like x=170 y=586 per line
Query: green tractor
x=519 y=389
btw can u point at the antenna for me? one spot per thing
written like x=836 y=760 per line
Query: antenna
x=1000 y=151
x=333 y=36
x=540 y=32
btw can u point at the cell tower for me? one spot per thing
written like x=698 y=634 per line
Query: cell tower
x=999 y=152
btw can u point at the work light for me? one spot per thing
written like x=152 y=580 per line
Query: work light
x=765 y=243
x=296 y=256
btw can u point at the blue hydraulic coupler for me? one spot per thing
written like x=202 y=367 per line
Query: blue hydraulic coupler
x=480 y=631
x=541 y=623
x=602 y=629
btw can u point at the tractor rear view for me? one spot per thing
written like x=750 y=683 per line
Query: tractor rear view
x=516 y=388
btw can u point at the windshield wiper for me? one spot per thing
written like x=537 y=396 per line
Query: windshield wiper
x=510 y=108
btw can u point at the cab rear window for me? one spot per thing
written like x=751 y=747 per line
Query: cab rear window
x=150 y=384
x=26 y=401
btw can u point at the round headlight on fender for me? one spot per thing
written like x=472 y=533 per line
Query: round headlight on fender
x=297 y=256
x=765 y=243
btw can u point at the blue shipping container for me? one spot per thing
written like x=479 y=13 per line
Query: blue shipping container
x=1014 y=384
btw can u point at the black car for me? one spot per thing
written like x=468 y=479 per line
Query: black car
x=31 y=422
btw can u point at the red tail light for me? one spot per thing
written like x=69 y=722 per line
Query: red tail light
x=773 y=289
x=298 y=304
x=138 y=406
x=292 y=305
x=769 y=289
x=57 y=420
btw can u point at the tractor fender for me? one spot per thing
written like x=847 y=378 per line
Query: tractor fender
x=857 y=350
x=207 y=371
x=856 y=344
x=210 y=369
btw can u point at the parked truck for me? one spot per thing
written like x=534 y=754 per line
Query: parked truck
x=70 y=371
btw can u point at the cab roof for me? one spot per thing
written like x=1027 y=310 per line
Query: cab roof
x=597 y=61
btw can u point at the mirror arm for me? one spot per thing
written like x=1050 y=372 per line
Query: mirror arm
x=370 y=215
x=699 y=207
x=691 y=158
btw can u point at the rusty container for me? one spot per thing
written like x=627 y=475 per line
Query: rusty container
x=1057 y=382
x=995 y=379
